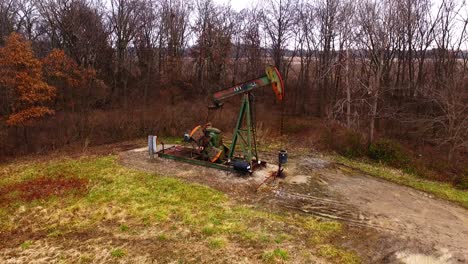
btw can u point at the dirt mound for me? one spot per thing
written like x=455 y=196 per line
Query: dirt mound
x=42 y=188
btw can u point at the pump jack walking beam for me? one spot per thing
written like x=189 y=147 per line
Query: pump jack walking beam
x=272 y=77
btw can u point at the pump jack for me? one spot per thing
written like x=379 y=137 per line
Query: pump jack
x=207 y=146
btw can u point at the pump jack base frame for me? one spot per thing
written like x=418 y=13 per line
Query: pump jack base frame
x=188 y=155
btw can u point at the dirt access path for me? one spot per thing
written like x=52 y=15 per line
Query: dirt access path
x=387 y=223
x=408 y=213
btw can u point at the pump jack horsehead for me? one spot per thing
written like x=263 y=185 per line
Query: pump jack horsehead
x=207 y=148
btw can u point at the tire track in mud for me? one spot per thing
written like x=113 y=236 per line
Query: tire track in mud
x=326 y=208
x=411 y=222
x=323 y=204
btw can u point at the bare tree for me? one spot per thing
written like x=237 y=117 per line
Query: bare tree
x=29 y=19
x=146 y=42
x=125 y=21
x=8 y=18
x=305 y=56
x=252 y=41
x=279 y=18
x=447 y=123
x=214 y=29
x=237 y=43
x=342 y=99
x=448 y=119
x=74 y=26
x=327 y=12
x=175 y=32
x=377 y=37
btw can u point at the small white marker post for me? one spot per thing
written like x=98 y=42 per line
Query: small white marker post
x=155 y=141
x=152 y=145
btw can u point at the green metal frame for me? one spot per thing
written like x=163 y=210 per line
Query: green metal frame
x=197 y=162
x=244 y=131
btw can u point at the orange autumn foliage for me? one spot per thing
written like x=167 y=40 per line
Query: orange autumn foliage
x=74 y=84
x=21 y=75
x=59 y=67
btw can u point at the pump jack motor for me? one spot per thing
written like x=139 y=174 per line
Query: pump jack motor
x=208 y=148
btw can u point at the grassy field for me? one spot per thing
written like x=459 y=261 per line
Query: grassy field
x=438 y=189
x=94 y=210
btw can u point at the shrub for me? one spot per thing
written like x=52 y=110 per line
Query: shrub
x=389 y=152
x=345 y=142
x=461 y=182
x=354 y=145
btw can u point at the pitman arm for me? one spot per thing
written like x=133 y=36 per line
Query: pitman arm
x=272 y=77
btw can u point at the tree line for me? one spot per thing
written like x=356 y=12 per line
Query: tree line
x=373 y=65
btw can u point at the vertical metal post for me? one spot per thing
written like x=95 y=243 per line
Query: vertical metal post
x=150 y=147
x=253 y=128
x=249 y=130
x=240 y=120
x=246 y=132
x=155 y=144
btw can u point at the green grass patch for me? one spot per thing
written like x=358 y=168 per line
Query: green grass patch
x=275 y=255
x=115 y=194
x=85 y=259
x=26 y=244
x=441 y=190
x=162 y=237
x=55 y=233
x=216 y=243
x=124 y=228
x=208 y=230
x=281 y=238
x=170 y=140
x=322 y=230
x=338 y=255
x=118 y=253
